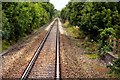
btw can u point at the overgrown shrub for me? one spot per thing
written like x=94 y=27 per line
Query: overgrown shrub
x=115 y=68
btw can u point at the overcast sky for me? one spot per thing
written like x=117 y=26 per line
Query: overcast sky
x=59 y=4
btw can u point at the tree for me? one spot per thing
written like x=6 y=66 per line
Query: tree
x=92 y=17
x=20 y=19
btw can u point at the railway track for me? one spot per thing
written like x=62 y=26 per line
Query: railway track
x=31 y=67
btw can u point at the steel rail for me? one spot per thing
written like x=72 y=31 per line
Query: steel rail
x=57 y=66
x=36 y=54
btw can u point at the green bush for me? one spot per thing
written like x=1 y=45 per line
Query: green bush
x=115 y=68
x=104 y=36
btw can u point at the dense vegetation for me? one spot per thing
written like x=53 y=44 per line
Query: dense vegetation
x=93 y=18
x=20 y=19
x=0 y=26
x=96 y=21
x=0 y=19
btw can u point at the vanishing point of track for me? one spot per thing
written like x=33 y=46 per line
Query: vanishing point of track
x=31 y=64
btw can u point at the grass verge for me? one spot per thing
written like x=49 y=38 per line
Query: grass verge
x=92 y=55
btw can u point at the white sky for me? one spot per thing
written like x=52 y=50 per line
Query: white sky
x=59 y=4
